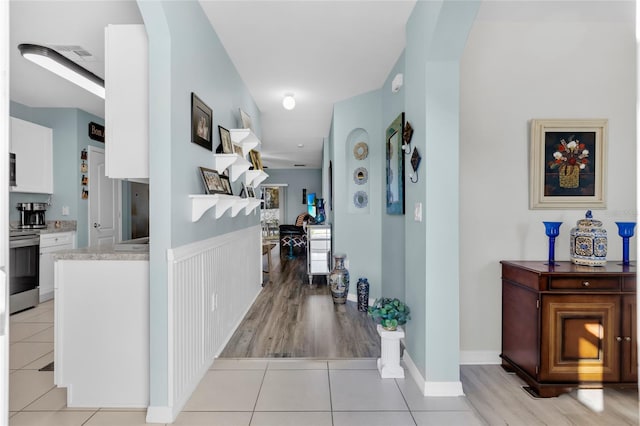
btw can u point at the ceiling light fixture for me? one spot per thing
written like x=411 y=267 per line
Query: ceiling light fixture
x=289 y=102
x=64 y=67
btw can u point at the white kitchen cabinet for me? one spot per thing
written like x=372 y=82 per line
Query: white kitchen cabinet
x=126 y=103
x=49 y=244
x=33 y=146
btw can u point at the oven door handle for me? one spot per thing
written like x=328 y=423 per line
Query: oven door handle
x=27 y=242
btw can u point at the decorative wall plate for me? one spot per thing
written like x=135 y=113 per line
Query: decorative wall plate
x=360 y=151
x=360 y=176
x=360 y=199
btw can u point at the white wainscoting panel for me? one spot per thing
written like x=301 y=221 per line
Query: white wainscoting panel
x=212 y=284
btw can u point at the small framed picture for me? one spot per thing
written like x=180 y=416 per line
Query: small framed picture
x=201 y=117
x=245 y=119
x=247 y=191
x=212 y=181
x=226 y=184
x=256 y=159
x=238 y=150
x=225 y=140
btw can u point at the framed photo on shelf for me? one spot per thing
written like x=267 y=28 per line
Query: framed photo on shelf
x=256 y=159
x=245 y=119
x=226 y=184
x=238 y=150
x=201 y=118
x=247 y=191
x=212 y=181
x=225 y=140
x=568 y=163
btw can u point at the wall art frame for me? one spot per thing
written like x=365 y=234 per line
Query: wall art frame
x=568 y=163
x=201 y=123
x=245 y=120
x=226 y=184
x=212 y=181
x=225 y=141
x=395 y=166
x=256 y=159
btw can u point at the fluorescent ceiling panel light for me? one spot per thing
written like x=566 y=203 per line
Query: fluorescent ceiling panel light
x=65 y=68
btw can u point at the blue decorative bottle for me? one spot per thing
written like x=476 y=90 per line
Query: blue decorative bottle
x=363 y=294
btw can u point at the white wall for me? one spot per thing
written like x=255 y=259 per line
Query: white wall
x=527 y=60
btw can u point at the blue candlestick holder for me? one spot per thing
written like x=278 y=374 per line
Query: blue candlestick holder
x=552 y=230
x=625 y=230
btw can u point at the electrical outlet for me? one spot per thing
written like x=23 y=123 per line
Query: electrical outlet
x=417 y=212
x=65 y=210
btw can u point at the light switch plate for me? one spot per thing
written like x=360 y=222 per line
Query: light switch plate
x=417 y=212
x=65 y=210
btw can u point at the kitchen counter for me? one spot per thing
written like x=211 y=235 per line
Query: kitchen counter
x=102 y=253
x=53 y=226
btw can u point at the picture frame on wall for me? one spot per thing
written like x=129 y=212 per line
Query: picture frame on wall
x=212 y=181
x=201 y=123
x=256 y=159
x=226 y=184
x=225 y=140
x=245 y=120
x=568 y=163
x=395 y=166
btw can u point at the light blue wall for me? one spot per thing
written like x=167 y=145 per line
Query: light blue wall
x=436 y=35
x=358 y=234
x=393 y=225
x=70 y=136
x=185 y=55
x=311 y=179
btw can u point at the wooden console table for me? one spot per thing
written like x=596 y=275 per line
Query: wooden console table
x=568 y=325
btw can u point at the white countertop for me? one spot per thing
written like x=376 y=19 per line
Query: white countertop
x=101 y=253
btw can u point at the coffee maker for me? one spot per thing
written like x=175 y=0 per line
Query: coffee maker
x=32 y=215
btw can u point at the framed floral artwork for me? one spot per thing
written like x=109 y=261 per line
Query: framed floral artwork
x=568 y=163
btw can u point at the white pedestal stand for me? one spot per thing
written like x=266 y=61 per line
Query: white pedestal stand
x=389 y=362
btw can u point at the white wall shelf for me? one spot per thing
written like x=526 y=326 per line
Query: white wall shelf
x=236 y=170
x=245 y=138
x=222 y=161
x=200 y=203
x=255 y=177
x=252 y=204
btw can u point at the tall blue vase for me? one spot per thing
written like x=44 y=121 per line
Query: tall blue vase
x=552 y=230
x=320 y=216
x=625 y=230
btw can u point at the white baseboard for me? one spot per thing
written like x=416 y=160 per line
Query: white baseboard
x=480 y=358
x=161 y=414
x=431 y=388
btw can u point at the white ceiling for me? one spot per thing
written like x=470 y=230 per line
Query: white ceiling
x=322 y=51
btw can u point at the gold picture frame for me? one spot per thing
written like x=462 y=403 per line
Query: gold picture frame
x=568 y=163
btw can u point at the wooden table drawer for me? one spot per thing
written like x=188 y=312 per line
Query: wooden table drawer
x=586 y=283
x=629 y=284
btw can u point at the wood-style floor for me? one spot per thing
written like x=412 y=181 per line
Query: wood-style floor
x=499 y=399
x=291 y=319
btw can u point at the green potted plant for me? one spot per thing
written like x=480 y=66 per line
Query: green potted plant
x=389 y=313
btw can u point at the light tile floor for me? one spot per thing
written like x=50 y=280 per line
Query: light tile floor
x=234 y=392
